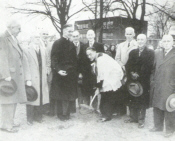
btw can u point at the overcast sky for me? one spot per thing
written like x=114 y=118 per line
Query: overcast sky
x=30 y=24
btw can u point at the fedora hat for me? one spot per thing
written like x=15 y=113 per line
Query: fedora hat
x=135 y=89
x=170 y=103
x=7 y=88
x=31 y=92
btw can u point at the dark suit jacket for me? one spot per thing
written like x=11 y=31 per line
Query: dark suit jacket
x=98 y=46
x=63 y=57
x=143 y=65
x=85 y=69
x=164 y=78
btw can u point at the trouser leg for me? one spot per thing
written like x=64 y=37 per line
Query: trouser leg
x=7 y=118
x=80 y=96
x=158 y=118
x=86 y=99
x=102 y=104
x=52 y=106
x=30 y=113
x=72 y=106
x=108 y=104
x=59 y=108
x=134 y=114
x=66 y=107
x=141 y=115
x=37 y=113
x=169 y=121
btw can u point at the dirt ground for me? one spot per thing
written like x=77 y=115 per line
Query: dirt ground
x=82 y=128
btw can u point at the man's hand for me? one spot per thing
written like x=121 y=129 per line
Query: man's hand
x=29 y=83
x=134 y=75
x=80 y=76
x=8 y=79
x=62 y=73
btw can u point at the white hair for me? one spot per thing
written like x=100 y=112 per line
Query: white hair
x=168 y=36
x=130 y=29
x=143 y=35
x=90 y=32
x=12 y=23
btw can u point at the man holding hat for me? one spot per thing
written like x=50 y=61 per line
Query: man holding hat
x=138 y=69
x=13 y=65
x=64 y=69
x=36 y=53
x=164 y=87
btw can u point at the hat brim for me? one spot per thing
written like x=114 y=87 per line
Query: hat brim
x=168 y=108
x=134 y=94
x=34 y=96
x=8 y=90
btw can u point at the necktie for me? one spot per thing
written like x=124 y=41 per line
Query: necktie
x=128 y=44
x=90 y=44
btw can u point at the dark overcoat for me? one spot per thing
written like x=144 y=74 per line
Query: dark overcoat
x=98 y=46
x=88 y=78
x=63 y=57
x=143 y=66
x=164 y=79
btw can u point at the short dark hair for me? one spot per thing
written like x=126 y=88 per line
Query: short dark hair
x=91 y=48
x=67 y=25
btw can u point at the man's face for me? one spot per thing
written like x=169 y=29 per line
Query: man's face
x=15 y=30
x=167 y=42
x=90 y=36
x=91 y=54
x=68 y=32
x=141 y=40
x=129 y=35
x=75 y=37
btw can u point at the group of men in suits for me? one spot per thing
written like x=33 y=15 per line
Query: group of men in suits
x=154 y=70
x=70 y=63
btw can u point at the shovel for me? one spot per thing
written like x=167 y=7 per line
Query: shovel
x=89 y=108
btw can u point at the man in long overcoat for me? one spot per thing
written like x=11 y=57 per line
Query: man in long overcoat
x=139 y=68
x=13 y=64
x=64 y=68
x=36 y=53
x=122 y=55
x=164 y=86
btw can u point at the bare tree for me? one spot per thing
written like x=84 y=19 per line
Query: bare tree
x=131 y=8
x=100 y=9
x=58 y=11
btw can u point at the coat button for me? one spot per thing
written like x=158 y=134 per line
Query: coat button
x=20 y=73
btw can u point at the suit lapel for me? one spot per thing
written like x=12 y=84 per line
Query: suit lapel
x=15 y=45
x=33 y=54
x=169 y=56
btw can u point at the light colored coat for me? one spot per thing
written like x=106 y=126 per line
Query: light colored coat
x=35 y=74
x=13 y=63
x=123 y=51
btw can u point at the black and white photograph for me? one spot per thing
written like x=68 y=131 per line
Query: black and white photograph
x=87 y=70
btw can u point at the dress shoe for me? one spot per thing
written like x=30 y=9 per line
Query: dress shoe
x=105 y=119
x=129 y=121
x=156 y=129
x=16 y=125
x=30 y=123
x=141 y=125
x=168 y=134
x=11 y=130
x=51 y=114
x=64 y=117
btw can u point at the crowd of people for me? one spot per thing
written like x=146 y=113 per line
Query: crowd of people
x=59 y=73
